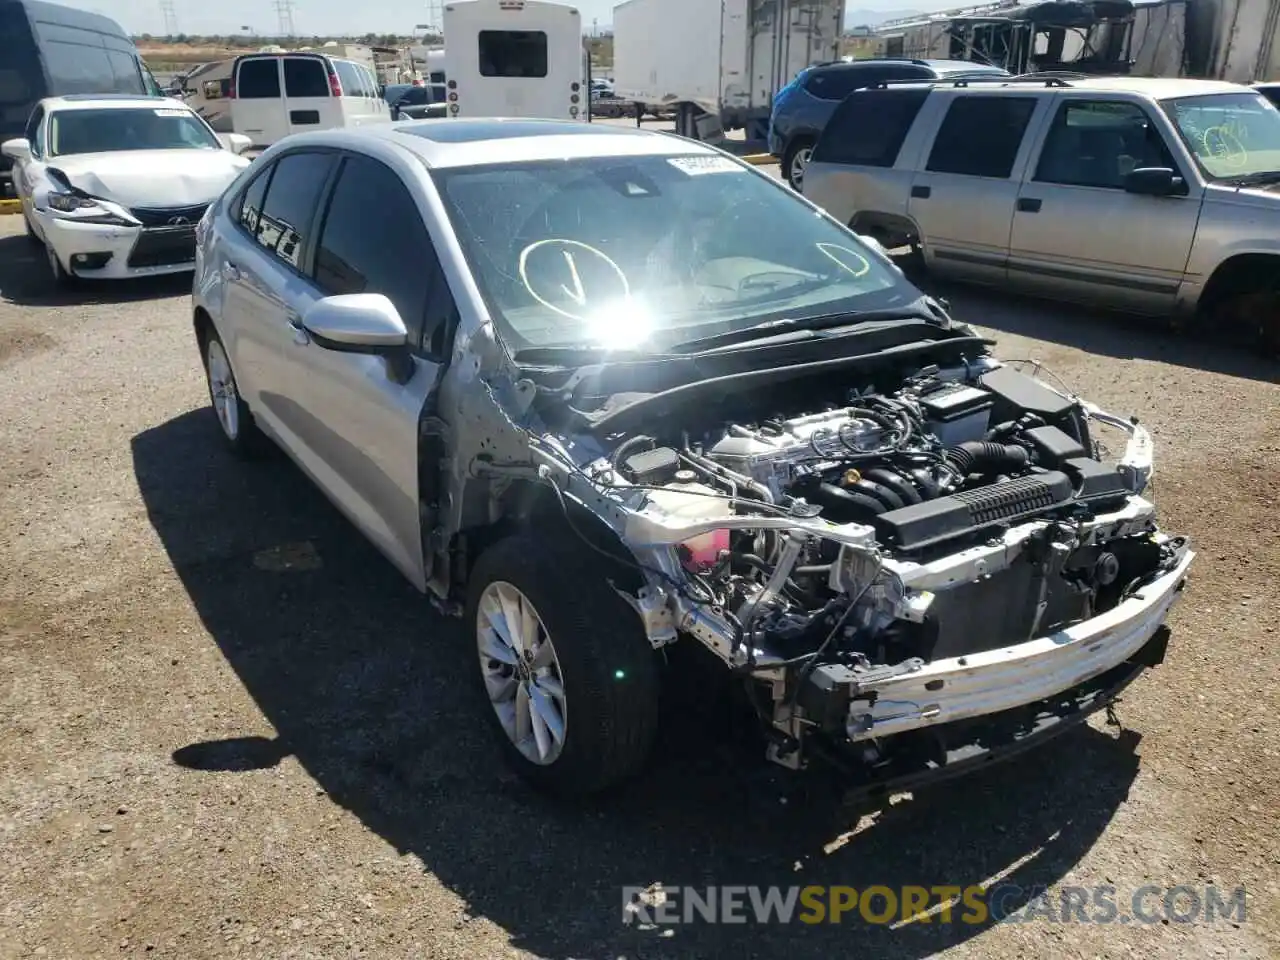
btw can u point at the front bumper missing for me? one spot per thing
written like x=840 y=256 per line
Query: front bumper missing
x=979 y=684
x=936 y=755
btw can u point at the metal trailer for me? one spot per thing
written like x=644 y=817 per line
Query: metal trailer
x=718 y=66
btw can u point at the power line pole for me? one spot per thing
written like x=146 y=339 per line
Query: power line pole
x=435 y=15
x=284 y=17
x=170 y=18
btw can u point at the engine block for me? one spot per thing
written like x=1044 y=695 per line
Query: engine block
x=770 y=452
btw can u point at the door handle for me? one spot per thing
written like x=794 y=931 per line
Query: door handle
x=1029 y=204
x=921 y=193
x=230 y=271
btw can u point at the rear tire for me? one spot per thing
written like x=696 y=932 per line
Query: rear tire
x=235 y=421
x=795 y=160
x=600 y=661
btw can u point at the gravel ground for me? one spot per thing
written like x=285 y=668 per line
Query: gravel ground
x=229 y=728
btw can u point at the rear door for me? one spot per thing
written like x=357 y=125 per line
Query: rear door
x=1078 y=235
x=862 y=168
x=963 y=193
x=308 y=101
x=267 y=290
x=257 y=109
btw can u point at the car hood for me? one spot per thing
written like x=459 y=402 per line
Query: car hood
x=152 y=178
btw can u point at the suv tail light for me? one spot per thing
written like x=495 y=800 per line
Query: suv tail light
x=335 y=85
x=231 y=89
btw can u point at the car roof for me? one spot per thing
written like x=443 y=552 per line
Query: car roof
x=1157 y=88
x=1153 y=88
x=483 y=140
x=108 y=101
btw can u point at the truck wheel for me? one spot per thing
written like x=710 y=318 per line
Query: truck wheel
x=570 y=679
x=795 y=160
x=1256 y=314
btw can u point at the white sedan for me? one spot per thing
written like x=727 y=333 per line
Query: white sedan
x=114 y=186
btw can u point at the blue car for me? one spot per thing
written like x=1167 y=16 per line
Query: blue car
x=802 y=108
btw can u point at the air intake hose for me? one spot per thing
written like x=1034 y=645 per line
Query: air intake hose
x=979 y=456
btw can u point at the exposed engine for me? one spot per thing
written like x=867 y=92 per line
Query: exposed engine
x=828 y=554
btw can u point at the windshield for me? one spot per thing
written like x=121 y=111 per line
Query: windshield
x=1230 y=134
x=128 y=128
x=646 y=251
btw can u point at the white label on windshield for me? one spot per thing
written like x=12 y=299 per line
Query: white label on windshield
x=696 y=166
x=169 y=112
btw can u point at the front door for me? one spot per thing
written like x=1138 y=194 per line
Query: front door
x=962 y=198
x=361 y=442
x=1078 y=235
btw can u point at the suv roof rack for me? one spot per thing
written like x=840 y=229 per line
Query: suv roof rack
x=966 y=81
x=865 y=60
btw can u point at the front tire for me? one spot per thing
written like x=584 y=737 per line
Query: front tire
x=569 y=681
x=1256 y=316
x=235 y=421
x=57 y=272
x=32 y=238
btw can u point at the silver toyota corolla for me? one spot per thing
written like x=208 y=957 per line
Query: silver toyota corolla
x=601 y=391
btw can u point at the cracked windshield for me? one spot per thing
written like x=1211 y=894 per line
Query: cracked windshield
x=1230 y=135
x=650 y=251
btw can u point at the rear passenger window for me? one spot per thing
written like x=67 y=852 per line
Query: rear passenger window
x=248 y=210
x=305 y=77
x=868 y=128
x=352 y=258
x=258 y=79
x=513 y=53
x=348 y=77
x=980 y=136
x=839 y=83
x=291 y=203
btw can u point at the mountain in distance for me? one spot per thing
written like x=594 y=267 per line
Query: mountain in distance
x=873 y=16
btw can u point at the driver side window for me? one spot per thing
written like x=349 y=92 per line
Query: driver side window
x=1098 y=143
x=397 y=259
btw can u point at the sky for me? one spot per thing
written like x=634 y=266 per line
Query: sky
x=327 y=17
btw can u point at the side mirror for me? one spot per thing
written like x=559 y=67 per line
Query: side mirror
x=16 y=149
x=1154 y=182
x=365 y=323
x=235 y=142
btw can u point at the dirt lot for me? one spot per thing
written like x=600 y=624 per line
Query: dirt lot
x=228 y=728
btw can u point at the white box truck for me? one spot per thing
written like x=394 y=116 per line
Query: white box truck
x=717 y=65
x=514 y=58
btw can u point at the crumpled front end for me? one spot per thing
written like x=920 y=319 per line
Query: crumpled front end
x=888 y=565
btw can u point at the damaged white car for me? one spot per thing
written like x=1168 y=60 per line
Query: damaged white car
x=608 y=394
x=113 y=186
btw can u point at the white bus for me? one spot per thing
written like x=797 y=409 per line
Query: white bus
x=514 y=58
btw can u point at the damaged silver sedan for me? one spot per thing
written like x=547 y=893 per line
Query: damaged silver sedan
x=608 y=394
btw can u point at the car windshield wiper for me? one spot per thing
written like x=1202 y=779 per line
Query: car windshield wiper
x=1254 y=179
x=824 y=321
